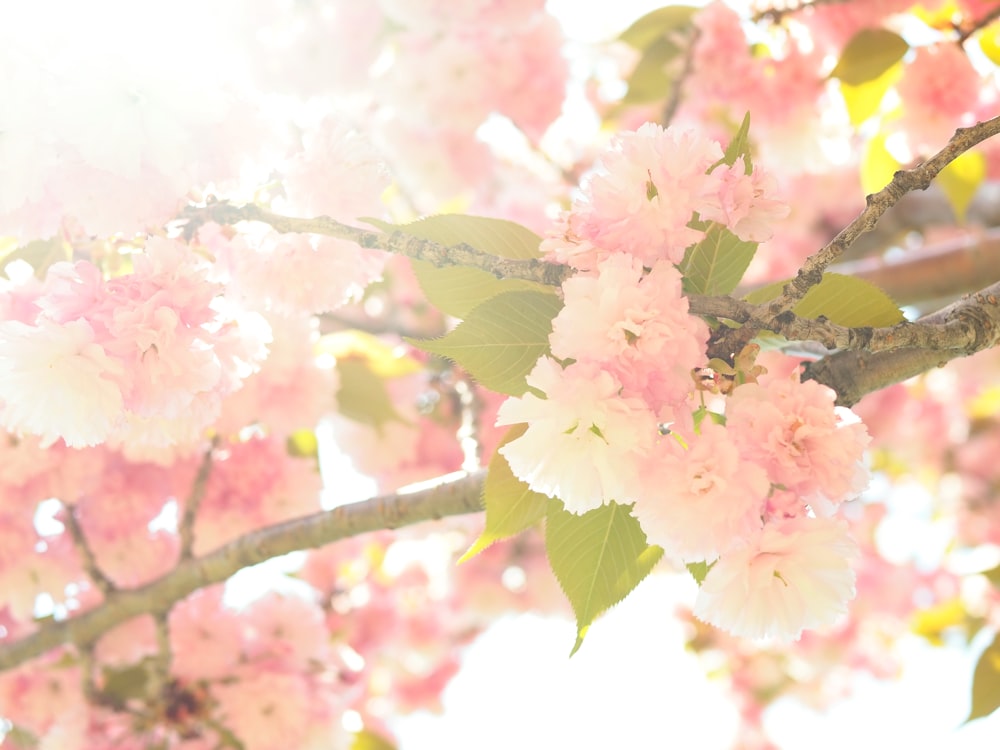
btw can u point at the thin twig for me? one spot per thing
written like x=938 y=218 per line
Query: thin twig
x=904 y=181
x=394 y=242
x=87 y=559
x=186 y=527
x=677 y=92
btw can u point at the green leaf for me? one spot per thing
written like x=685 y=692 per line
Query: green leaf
x=698 y=571
x=40 y=254
x=986 y=682
x=123 y=684
x=363 y=396
x=369 y=740
x=844 y=300
x=649 y=80
x=961 y=179
x=877 y=165
x=457 y=290
x=869 y=54
x=716 y=264
x=302 y=444
x=597 y=557
x=385 y=360
x=511 y=506
x=505 y=239
x=739 y=146
x=501 y=339
x=655 y=24
x=863 y=100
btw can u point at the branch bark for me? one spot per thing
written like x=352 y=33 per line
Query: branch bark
x=435 y=253
x=903 y=182
x=456 y=497
x=854 y=374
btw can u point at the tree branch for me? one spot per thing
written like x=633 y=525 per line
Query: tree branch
x=400 y=243
x=969 y=326
x=455 y=497
x=904 y=181
x=854 y=374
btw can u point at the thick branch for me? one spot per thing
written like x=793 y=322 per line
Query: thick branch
x=396 y=242
x=854 y=374
x=456 y=497
x=969 y=326
x=903 y=182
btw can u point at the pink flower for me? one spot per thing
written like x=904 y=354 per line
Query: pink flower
x=206 y=638
x=584 y=440
x=794 y=574
x=649 y=185
x=743 y=206
x=939 y=90
x=698 y=502
x=56 y=382
x=806 y=445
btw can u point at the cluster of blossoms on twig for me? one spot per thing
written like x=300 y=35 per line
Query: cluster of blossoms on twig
x=746 y=480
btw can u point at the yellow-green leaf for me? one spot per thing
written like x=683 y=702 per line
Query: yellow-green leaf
x=844 y=300
x=657 y=23
x=739 y=146
x=363 y=396
x=650 y=80
x=39 y=254
x=302 y=444
x=698 y=571
x=384 y=360
x=869 y=54
x=986 y=682
x=989 y=42
x=369 y=740
x=511 y=506
x=863 y=99
x=597 y=557
x=961 y=179
x=877 y=165
x=505 y=239
x=456 y=290
x=500 y=340
x=716 y=264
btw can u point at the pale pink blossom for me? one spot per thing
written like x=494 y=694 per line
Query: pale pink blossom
x=793 y=574
x=57 y=382
x=293 y=274
x=636 y=324
x=804 y=443
x=206 y=638
x=289 y=629
x=338 y=173
x=649 y=185
x=940 y=91
x=745 y=205
x=267 y=710
x=700 y=500
x=584 y=440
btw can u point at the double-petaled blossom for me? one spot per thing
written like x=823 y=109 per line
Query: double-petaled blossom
x=792 y=574
x=583 y=441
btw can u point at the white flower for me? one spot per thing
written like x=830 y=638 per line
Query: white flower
x=584 y=440
x=796 y=574
x=55 y=382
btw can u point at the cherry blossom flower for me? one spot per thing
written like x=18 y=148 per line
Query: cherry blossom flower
x=700 y=501
x=793 y=574
x=56 y=382
x=804 y=443
x=584 y=440
x=744 y=206
x=649 y=184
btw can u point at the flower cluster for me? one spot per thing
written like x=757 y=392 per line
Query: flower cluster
x=141 y=360
x=615 y=413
